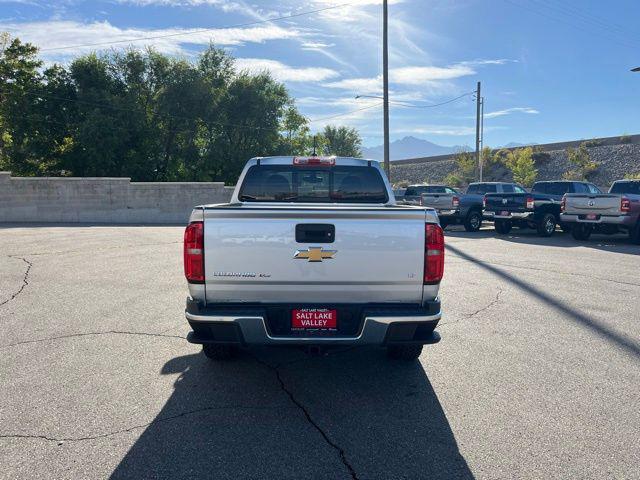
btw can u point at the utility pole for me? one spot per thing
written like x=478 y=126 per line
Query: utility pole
x=385 y=85
x=478 y=100
x=481 y=136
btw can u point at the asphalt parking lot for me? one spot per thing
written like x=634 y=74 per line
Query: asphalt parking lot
x=537 y=374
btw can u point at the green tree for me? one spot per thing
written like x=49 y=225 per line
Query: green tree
x=341 y=141
x=581 y=162
x=296 y=138
x=522 y=166
x=146 y=115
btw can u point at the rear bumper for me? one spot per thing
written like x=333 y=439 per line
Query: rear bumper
x=623 y=220
x=448 y=213
x=512 y=216
x=249 y=325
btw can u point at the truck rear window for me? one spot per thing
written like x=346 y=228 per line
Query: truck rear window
x=632 y=188
x=289 y=183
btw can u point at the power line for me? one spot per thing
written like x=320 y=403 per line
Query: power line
x=413 y=105
x=345 y=113
x=193 y=32
x=580 y=26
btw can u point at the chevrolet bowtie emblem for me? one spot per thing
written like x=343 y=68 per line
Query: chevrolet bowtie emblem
x=314 y=254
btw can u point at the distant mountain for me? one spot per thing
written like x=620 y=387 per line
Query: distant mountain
x=410 y=147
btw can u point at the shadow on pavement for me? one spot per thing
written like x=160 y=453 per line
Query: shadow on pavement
x=619 y=340
x=351 y=414
x=618 y=243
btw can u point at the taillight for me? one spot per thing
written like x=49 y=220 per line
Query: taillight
x=433 y=254
x=314 y=161
x=530 y=203
x=563 y=204
x=456 y=202
x=194 y=252
x=484 y=202
x=625 y=204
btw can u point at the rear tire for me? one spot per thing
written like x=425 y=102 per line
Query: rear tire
x=547 y=225
x=581 y=232
x=404 y=352
x=634 y=234
x=473 y=222
x=503 y=227
x=219 y=352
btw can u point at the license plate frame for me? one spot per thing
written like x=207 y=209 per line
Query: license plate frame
x=504 y=213
x=314 y=319
x=592 y=217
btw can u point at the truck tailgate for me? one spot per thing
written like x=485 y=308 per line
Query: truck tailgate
x=438 y=200
x=506 y=201
x=377 y=253
x=604 y=204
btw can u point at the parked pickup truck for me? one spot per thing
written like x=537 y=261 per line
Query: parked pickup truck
x=609 y=213
x=453 y=207
x=314 y=252
x=539 y=209
x=413 y=193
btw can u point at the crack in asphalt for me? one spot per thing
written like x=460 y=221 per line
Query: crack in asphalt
x=310 y=420
x=137 y=427
x=467 y=316
x=86 y=334
x=25 y=279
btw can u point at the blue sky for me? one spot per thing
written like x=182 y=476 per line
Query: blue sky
x=551 y=69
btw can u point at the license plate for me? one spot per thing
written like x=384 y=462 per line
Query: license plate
x=314 y=319
x=591 y=216
x=505 y=214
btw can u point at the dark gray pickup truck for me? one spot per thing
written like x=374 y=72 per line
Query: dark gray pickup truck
x=539 y=209
x=453 y=207
x=608 y=213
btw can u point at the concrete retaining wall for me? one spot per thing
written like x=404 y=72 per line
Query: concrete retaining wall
x=103 y=200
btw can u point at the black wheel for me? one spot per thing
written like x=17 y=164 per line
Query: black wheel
x=503 y=227
x=219 y=352
x=547 y=225
x=404 y=352
x=473 y=222
x=581 y=231
x=634 y=234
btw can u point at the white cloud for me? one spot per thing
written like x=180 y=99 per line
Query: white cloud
x=508 y=111
x=55 y=34
x=316 y=45
x=361 y=86
x=410 y=76
x=286 y=73
x=422 y=75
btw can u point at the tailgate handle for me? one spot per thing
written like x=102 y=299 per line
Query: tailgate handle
x=315 y=233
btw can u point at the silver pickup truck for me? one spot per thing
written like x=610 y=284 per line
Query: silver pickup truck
x=315 y=252
x=608 y=213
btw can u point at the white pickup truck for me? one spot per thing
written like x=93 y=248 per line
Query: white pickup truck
x=315 y=252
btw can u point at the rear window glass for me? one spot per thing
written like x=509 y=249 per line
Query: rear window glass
x=552 y=188
x=626 y=187
x=482 y=188
x=420 y=189
x=507 y=188
x=289 y=183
